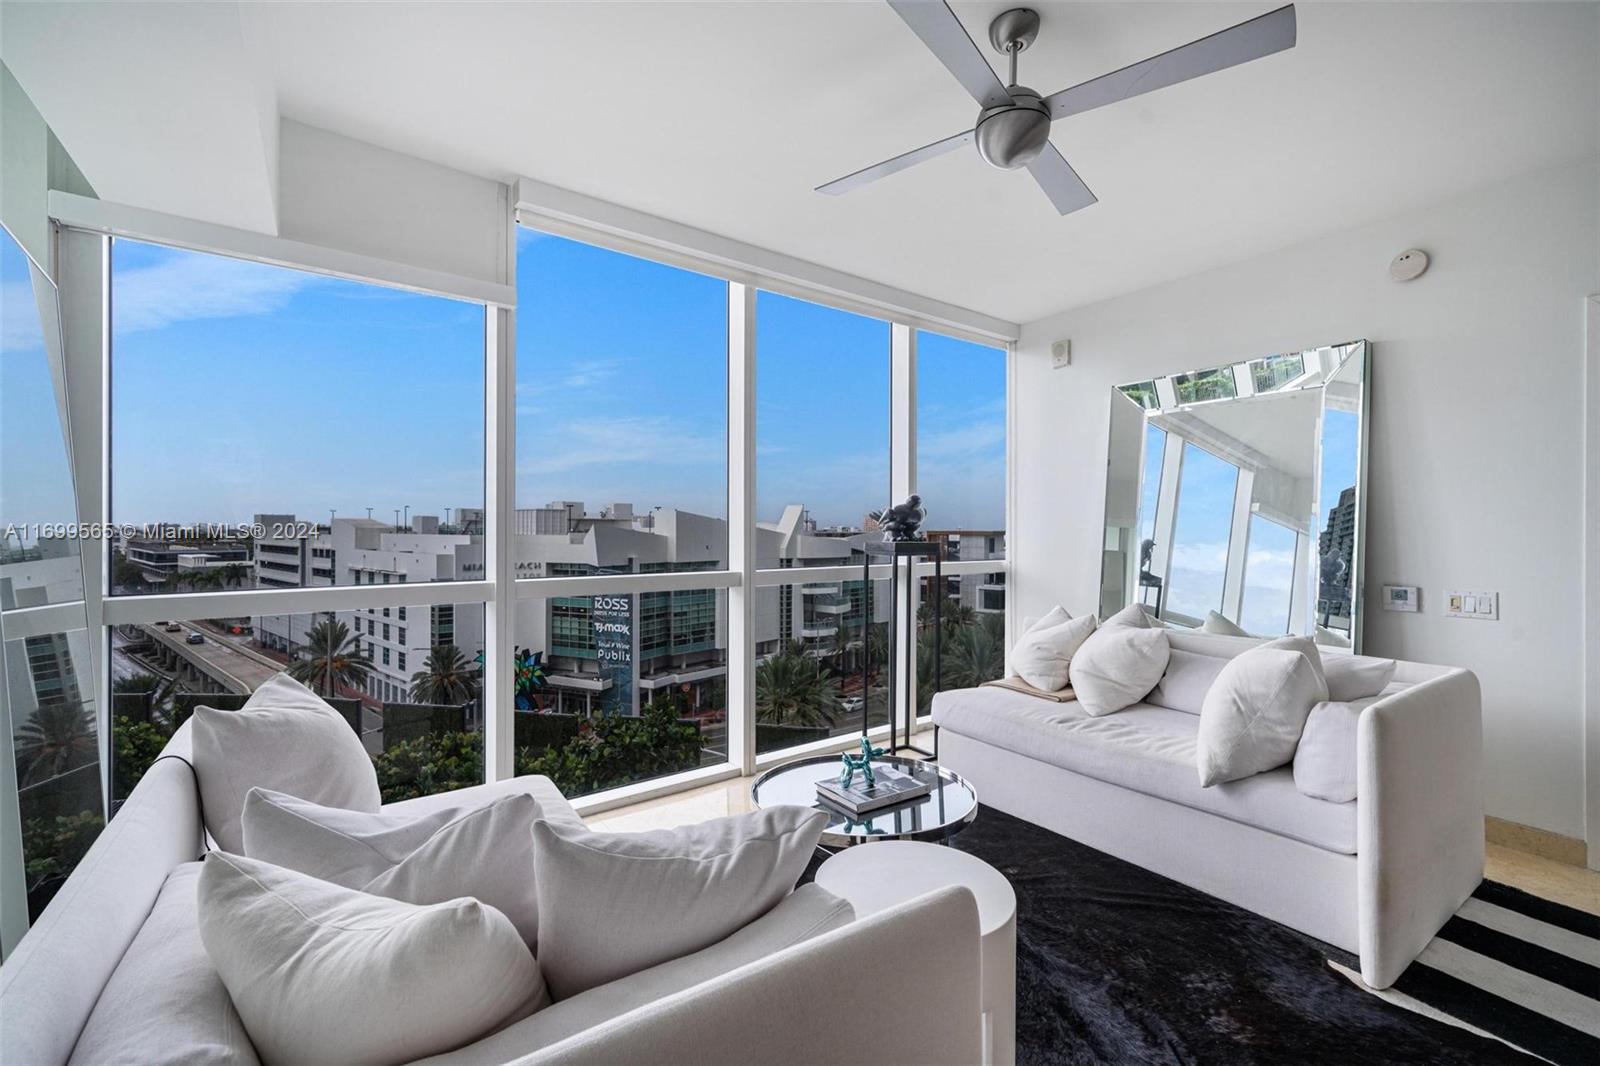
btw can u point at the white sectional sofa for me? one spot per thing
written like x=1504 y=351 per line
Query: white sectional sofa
x=1376 y=876
x=786 y=989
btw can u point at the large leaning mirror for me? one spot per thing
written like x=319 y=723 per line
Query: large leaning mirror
x=1234 y=496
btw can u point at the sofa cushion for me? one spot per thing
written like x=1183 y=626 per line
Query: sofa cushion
x=1254 y=714
x=612 y=904
x=324 y=974
x=1325 y=761
x=808 y=912
x=284 y=738
x=164 y=1002
x=1146 y=749
x=483 y=851
x=1187 y=680
x=1044 y=654
x=1118 y=666
x=1357 y=677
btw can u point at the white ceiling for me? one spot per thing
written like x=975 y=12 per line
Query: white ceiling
x=725 y=115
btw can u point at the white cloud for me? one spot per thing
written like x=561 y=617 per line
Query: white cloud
x=188 y=287
x=974 y=438
x=644 y=439
x=584 y=374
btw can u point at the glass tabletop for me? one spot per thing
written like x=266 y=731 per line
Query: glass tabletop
x=951 y=805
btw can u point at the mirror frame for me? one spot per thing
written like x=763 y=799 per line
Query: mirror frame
x=1334 y=370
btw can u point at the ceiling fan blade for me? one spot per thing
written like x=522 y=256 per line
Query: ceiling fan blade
x=1261 y=36
x=1059 y=181
x=895 y=165
x=942 y=32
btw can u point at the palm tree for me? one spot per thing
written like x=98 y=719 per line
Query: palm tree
x=447 y=677
x=970 y=655
x=792 y=688
x=234 y=575
x=336 y=660
x=57 y=737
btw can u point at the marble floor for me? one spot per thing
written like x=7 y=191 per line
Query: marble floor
x=1571 y=885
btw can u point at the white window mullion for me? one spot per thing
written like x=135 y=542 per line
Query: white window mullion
x=741 y=698
x=500 y=464
x=902 y=483
x=1238 y=545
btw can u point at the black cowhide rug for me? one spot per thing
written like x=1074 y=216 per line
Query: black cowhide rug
x=1116 y=964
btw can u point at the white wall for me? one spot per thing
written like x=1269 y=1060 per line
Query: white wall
x=1477 y=469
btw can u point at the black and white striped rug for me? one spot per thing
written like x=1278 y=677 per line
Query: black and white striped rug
x=1512 y=966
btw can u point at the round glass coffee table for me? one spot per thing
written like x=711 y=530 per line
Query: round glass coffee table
x=949 y=808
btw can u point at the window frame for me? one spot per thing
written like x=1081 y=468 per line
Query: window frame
x=87 y=226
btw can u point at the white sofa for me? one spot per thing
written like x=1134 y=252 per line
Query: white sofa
x=776 y=992
x=1376 y=876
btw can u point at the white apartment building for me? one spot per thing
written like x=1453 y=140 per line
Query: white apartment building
x=610 y=652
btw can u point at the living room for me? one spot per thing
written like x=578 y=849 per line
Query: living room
x=1158 y=521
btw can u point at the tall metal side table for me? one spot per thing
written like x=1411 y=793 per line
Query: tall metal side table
x=903 y=626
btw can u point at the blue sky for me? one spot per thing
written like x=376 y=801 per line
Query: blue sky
x=240 y=388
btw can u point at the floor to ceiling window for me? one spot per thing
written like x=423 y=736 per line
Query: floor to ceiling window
x=822 y=475
x=622 y=472
x=296 y=482
x=961 y=477
x=275 y=429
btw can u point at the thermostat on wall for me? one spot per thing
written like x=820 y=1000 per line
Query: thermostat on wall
x=1401 y=598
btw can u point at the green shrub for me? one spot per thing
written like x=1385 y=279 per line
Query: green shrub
x=605 y=753
x=53 y=846
x=134 y=746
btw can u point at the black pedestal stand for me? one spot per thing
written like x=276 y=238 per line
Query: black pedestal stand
x=902 y=628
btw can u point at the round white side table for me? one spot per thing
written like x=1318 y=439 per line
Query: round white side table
x=891 y=872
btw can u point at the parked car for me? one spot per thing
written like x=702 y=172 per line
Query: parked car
x=194 y=638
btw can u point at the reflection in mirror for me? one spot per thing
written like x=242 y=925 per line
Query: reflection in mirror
x=1233 y=496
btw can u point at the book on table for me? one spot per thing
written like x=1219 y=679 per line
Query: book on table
x=889 y=787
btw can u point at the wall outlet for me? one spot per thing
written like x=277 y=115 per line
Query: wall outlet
x=1462 y=604
x=1060 y=354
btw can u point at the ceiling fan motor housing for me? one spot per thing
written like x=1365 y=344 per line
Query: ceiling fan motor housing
x=1011 y=135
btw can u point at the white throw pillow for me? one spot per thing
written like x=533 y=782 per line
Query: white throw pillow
x=1053 y=617
x=1133 y=615
x=1357 y=677
x=1304 y=646
x=1117 y=667
x=1325 y=760
x=612 y=904
x=284 y=738
x=1216 y=623
x=1042 y=656
x=164 y=1002
x=1188 y=678
x=485 y=851
x=1253 y=716
x=324 y=974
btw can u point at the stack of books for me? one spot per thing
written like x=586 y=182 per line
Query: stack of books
x=888 y=788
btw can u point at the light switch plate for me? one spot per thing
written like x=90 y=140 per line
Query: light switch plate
x=1461 y=603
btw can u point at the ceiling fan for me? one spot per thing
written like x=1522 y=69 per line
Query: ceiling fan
x=1013 y=127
